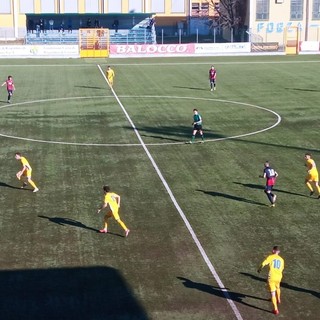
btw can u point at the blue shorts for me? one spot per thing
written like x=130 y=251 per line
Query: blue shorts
x=268 y=188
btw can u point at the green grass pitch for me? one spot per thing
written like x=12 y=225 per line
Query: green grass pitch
x=199 y=219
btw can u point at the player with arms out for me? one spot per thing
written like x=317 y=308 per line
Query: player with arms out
x=26 y=171
x=112 y=200
x=276 y=266
x=10 y=87
x=312 y=175
x=212 y=78
x=270 y=175
x=197 y=126
x=110 y=75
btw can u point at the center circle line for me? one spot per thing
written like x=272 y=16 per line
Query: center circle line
x=138 y=144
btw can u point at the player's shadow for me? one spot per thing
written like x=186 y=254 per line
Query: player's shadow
x=250 y=185
x=260 y=187
x=173 y=133
x=190 y=88
x=304 y=89
x=303 y=149
x=5 y=185
x=231 y=197
x=74 y=223
x=68 y=222
x=222 y=293
x=283 y=285
x=90 y=87
x=160 y=138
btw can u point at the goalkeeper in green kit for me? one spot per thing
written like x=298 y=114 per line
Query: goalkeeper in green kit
x=197 y=126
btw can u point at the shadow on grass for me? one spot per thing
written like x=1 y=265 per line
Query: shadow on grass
x=67 y=293
x=5 y=185
x=250 y=185
x=174 y=133
x=160 y=137
x=260 y=187
x=222 y=293
x=302 y=89
x=231 y=197
x=302 y=149
x=283 y=285
x=68 y=222
x=90 y=87
x=185 y=132
x=74 y=223
x=192 y=88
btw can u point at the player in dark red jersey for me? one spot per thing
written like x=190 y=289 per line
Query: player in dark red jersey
x=270 y=175
x=10 y=87
x=212 y=78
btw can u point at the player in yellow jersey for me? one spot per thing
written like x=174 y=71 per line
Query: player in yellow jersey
x=276 y=266
x=312 y=174
x=113 y=200
x=26 y=171
x=110 y=75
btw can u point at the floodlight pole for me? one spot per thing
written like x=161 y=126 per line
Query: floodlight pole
x=307 y=21
x=15 y=18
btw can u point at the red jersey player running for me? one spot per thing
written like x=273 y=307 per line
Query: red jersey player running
x=212 y=78
x=270 y=175
x=10 y=87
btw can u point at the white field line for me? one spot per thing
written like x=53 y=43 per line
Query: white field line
x=208 y=61
x=173 y=199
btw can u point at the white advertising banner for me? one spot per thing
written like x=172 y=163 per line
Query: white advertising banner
x=230 y=47
x=39 y=51
x=309 y=46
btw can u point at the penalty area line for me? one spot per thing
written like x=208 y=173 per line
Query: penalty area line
x=177 y=206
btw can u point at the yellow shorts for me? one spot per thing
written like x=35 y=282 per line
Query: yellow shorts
x=313 y=176
x=27 y=173
x=111 y=214
x=273 y=285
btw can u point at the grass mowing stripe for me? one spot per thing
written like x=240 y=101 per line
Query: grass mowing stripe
x=174 y=201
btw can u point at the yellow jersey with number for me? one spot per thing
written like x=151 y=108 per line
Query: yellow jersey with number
x=276 y=266
x=111 y=199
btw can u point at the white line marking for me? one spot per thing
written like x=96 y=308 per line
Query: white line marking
x=173 y=199
x=138 y=144
x=202 y=62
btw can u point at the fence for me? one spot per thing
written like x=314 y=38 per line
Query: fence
x=139 y=36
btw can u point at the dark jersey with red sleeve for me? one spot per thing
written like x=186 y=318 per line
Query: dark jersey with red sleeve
x=212 y=74
x=270 y=175
x=10 y=85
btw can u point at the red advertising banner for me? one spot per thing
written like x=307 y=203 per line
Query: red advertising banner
x=152 y=49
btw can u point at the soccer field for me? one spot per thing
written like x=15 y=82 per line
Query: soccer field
x=199 y=219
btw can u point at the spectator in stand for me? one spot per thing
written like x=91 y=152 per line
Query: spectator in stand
x=69 y=25
x=30 y=25
x=89 y=23
x=115 y=25
x=51 y=23
x=41 y=24
x=96 y=23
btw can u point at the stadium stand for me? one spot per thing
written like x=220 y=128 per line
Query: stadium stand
x=60 y=29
